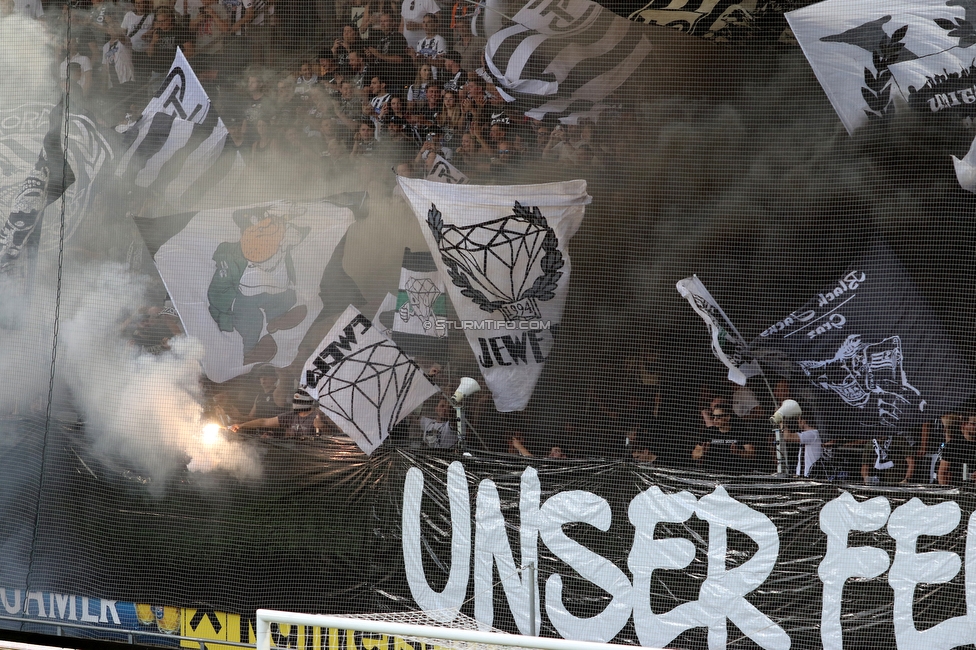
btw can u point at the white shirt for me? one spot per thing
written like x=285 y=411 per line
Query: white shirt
x=811 y=449
x=130 y=22
x=84 y=62
x=414 y=11
x=432 y=48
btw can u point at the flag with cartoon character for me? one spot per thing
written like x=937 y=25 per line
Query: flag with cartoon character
x=248 y=281
x=503 y=256
x=877 y=357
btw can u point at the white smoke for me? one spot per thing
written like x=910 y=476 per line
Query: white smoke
x=25 y=59
x=142 y=408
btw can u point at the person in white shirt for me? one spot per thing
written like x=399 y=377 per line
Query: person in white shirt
x=412 y=13
x=811 y=447
x=431 y=48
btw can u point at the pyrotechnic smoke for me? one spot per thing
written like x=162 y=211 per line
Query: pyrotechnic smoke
x=141 y=409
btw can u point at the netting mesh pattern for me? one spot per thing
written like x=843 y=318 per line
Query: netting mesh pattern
x=640 y=230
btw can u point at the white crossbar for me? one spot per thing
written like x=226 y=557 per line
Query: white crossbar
x=266 y=616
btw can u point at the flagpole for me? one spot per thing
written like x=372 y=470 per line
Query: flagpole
x=780 y=452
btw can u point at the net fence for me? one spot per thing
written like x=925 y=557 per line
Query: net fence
x=345 y=306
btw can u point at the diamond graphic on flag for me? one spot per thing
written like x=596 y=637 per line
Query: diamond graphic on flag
x=514 y=259
x=421 y=294
x=368 y=378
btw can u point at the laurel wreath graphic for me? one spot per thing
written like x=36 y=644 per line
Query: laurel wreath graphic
x=877 y=85
x=551 y=264
x=961 y=29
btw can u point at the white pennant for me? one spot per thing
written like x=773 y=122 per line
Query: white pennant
x=502 y=252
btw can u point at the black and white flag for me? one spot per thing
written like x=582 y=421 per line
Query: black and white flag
x=943 y=86
x=727 y=345
x=38 y=166
x=874 y=349
x=248 y=282
x=175 y=149
x=417 y=315
x=44 y=184
x=444 y=172
x=362 y=381
x=569 y=56
x=502 y=252
x=854 y=48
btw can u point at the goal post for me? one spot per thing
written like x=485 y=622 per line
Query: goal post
x=483 y=639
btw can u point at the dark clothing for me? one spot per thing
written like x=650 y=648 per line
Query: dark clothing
x=718 y=457
x=395 y=75
x=265 y=407
x=959 y=452
x=165 y=49
x=296 y=426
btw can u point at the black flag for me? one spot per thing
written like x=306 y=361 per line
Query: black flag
x=872 y=347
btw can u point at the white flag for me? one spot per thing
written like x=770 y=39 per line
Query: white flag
x=727 y=345
x=502 y=252
x=247 y=281
x=180 y=94
x=363 y=381
x=445 y=172
x=852 y=45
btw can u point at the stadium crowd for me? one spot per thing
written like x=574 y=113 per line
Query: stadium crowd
x=381 y=85
x=623 y=417
x=393 y=86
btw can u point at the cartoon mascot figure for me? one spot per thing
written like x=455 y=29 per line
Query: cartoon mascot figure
x=253 y=287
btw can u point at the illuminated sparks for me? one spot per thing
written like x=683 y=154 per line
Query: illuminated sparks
x=211 y=434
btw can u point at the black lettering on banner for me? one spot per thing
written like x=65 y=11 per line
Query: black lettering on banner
x=536 y=346
x=493 y=349
x=484 y=359
x=496 y=351
x=516 y=347
x=332 y=354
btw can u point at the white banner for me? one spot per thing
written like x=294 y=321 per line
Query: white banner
x=502 y=252
x=363 y=381
x=246 y=281
x=850 y=47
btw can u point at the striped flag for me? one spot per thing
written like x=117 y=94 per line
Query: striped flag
x=553 y=49
x=43 y=185
x=727 y=345
x=176 y=149
x=574 y=58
